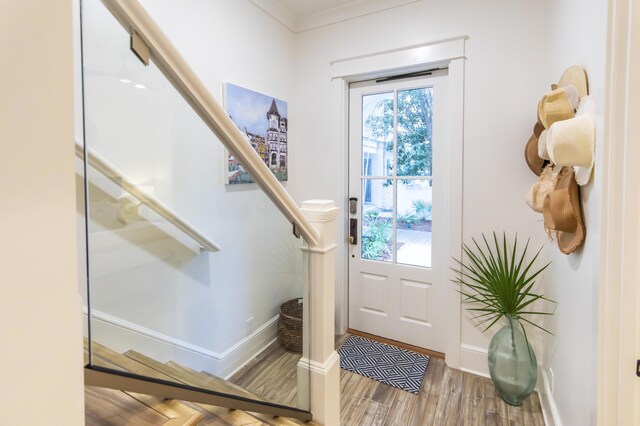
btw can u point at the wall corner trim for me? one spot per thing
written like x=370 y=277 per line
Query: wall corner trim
x=274 y=9
x=548 y=403
x=617 y=385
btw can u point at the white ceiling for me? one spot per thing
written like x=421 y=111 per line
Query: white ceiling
x=301 y=8
x=302 y=15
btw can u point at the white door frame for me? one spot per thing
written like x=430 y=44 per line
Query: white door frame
x=619 y=295
x=448 y=52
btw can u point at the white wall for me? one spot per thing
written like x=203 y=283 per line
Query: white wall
x=40 y=309
x=143 y=279
x=506 y=70
x=578 y=31
x=513 y=53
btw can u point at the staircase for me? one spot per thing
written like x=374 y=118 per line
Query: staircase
x=107 y=406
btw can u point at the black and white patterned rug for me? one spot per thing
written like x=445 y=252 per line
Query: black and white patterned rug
x=388 y=364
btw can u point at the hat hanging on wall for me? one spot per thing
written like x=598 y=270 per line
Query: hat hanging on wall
x=572 y=142
x=539 y=190
x=563 y=213
x=535 y=163
x=556 y=105
x=542 y=146
x=577 y=77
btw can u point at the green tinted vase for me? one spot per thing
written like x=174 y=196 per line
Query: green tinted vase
x=512 y=363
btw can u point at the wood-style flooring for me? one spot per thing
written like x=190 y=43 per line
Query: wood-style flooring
x=116 y=408
x=447 y=397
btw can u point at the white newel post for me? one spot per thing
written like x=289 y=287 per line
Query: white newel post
x=324 y=362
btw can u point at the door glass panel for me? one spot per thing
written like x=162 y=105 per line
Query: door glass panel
x=414 y=130
x=377 y=219
x=377 y=134
x=414 y=222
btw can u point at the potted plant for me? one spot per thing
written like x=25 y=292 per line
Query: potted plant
x=498 y=282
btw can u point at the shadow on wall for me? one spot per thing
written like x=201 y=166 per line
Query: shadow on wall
x=117 y=225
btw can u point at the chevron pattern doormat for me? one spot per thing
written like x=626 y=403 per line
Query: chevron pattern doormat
x=388 y=364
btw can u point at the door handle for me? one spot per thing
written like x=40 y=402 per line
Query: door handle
x=353 y=231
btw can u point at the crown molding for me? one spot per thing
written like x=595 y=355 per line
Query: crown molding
x=326 y=17
x=278 y=12
x=347 y=12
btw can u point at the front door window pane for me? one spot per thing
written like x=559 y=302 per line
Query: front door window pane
x=414 y=222
x=377 y=134
x=414 y=131
x=377 y=220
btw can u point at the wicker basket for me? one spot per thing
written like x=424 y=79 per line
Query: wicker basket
x=290 y=325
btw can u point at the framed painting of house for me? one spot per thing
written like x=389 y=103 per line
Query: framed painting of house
x=263 y=120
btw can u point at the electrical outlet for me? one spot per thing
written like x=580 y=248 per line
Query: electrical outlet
x=251 y=324
x=552 y=380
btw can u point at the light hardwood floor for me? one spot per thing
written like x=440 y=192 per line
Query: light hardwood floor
x=447 y=397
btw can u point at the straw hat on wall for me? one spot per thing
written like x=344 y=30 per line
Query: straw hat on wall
x=577 y=77
x=533 y=160
x=556 y=105
x=539 y=190
x=562 y=212
x=572 y=142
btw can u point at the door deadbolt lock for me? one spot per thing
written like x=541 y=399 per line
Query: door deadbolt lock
x=353 y=205
x=353 y=231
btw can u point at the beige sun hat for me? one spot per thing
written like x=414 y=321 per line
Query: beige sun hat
x=575 y=76
x=558 y=104
x=535 y=163
x=563 y=213
x=572 y=142
x=539 y=190
x=542 y=146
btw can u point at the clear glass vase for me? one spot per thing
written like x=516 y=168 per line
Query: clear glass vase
x=512 y=363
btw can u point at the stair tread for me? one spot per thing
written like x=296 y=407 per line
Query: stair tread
x=188 y=420
x=208 y=377
x=170 y=408
x=182 y=376
x=171 y=412
x=108 y=406
x=126 y=363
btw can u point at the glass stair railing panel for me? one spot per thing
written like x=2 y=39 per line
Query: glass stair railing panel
x=158 y=304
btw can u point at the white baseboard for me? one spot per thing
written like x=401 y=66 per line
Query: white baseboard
x=473 y=359
x=548 y=403
x=121 y=336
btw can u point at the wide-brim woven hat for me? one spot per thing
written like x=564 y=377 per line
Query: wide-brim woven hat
x=542 y=146
x=572 y=142
x=562 y=212
x=558 y=104
x=543 y=187
x=535 y=163
x=577 y=77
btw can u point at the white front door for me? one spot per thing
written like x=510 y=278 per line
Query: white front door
x=398 y=160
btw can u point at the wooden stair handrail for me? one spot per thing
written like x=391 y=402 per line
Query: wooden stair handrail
x=135 y=19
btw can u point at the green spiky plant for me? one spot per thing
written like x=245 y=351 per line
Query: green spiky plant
x=498 y=282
